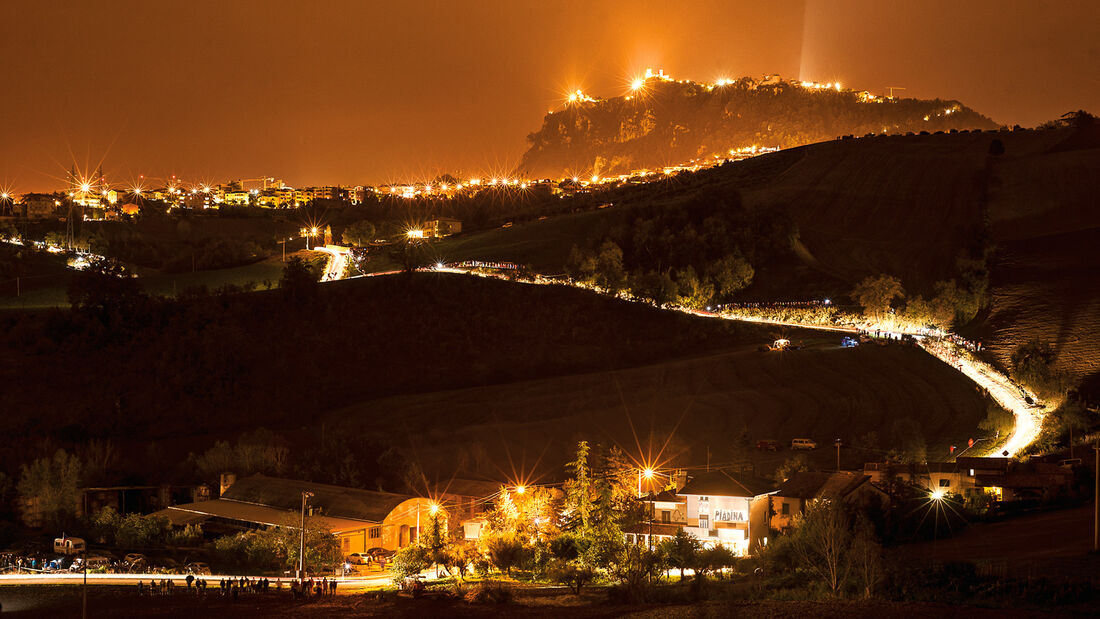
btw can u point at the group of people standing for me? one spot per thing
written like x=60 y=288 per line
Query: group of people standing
x=234 y=587
x=301 y=588
x=166 y=586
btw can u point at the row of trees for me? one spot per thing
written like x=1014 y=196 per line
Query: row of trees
x=693 y=253
x=953 y=303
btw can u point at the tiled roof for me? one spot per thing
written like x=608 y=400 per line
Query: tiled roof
x=334 y=501
x=721 y=483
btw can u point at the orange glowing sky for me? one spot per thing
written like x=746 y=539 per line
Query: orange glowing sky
x=360 y=92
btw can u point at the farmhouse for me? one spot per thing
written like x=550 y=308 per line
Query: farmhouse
x=360 y=519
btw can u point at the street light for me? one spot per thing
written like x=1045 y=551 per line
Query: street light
x=302 y=536
x=648 y=474
x=520 y=489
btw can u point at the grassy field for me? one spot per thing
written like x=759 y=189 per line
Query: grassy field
x=696 y=404
x=58 y=601
x=51 y=291
x=544 y=245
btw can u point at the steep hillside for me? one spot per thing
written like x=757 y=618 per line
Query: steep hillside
x=910 y=206
x=668 y=122
x=700 y=406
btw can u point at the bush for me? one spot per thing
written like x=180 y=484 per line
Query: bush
x=571 y=573
x=490 y=593
x=506 y=551
x=408 y=561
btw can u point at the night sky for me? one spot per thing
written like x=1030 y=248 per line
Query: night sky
x=374 y=92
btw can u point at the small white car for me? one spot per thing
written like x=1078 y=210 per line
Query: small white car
x=803 y=443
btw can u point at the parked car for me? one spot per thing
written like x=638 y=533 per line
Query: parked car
x=849 y=342
x=803 y=443
x=197 y=568
x=769 y=445
x=356 y=558
x=379 y=553
x=135 y=562
x=95 y=562
x=61 y=563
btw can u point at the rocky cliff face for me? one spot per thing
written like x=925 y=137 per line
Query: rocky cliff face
x=670 y=123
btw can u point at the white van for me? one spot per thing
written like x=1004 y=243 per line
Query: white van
x=68 y=545
x=803 y=443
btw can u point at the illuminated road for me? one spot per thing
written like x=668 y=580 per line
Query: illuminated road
x=1011 y=397
x=337 y=265
x=346 y=585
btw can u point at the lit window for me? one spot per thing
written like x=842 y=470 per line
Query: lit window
x=375 y=532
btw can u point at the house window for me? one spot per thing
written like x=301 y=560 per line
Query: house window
x=345 y=544
x=945 y=483
x=375 y=532
x=629 y=538
x=786 y=509
x=666 y=517
x=704 y=522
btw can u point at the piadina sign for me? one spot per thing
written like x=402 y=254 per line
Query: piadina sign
x=728 y=515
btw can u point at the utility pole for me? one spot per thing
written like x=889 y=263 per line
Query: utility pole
x=838 y=441
x=302 y=537
x=1096 y=503
x=84 y=587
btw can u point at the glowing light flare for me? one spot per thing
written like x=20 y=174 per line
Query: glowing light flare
x=937 y=494
x=648 y=473
x=637 y=84
x=434 y=509
x=521 y=489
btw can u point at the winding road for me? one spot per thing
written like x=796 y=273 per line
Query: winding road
x=1025 y=406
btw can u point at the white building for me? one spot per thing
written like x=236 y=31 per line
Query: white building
x=726 y=509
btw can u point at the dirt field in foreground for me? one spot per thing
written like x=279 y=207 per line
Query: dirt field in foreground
x=113 y=602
